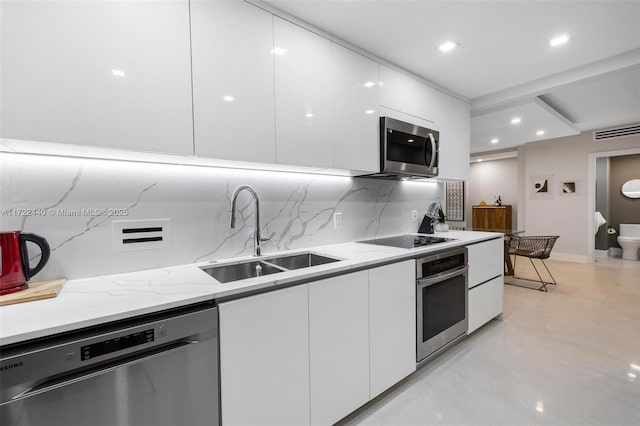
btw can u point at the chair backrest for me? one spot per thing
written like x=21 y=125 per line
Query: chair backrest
x=532 y=246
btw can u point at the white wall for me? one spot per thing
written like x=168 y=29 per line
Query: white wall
x=488 y=179
x=296 y=210
x=565 y=215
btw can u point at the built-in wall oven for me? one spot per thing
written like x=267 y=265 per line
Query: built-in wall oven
x=442 y=300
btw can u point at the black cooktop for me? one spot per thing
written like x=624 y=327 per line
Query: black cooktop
x=407 y=241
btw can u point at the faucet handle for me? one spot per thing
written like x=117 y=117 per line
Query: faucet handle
x=262 y=240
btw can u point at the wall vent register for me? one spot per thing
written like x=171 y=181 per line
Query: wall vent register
x=129 y=235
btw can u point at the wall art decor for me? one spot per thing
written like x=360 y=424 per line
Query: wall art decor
x=541 y=186
x=569 y=187
x=455 y=200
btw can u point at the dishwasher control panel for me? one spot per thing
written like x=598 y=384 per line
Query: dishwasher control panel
x=116 y=344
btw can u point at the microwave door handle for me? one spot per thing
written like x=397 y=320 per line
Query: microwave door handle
x=433 y=151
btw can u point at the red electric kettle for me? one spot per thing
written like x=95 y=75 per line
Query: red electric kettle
x=15 y=270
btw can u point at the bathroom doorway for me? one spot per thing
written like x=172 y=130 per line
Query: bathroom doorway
x=608 y=171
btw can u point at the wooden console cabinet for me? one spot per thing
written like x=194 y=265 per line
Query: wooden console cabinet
x=491 y=218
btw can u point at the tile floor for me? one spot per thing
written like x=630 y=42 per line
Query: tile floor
x=567 y=357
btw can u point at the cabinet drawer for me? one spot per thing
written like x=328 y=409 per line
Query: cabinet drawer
x=485 y=261
x=485 y=303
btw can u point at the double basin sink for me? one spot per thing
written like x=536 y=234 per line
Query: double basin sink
x=256 y=268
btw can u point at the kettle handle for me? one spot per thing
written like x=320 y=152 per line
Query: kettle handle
x=44 y=258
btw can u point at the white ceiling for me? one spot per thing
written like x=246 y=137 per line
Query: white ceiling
x=504 y=57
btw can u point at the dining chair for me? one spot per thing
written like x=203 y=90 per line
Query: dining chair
x=533 y=247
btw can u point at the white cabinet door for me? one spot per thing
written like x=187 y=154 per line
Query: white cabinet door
x=404 y=94
x=354 y=84
x=392 y=324
x=454 y=127
x=485 y=261
x=113 y=74
x=303 y=96
x=233 y=86
x=264 y=358
x=339 y=346
x=485 y=303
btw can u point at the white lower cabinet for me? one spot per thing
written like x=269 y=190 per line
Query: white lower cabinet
x=392 y=324
x=339 y=346
x=485 y=261
x=486 y=282
x=485 y=303
x=313 y=353
x=264 y=358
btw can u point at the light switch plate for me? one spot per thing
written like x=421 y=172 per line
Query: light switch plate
x=414 y=215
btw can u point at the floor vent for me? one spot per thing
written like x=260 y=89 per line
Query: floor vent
x=129 y=235
x=616 y=132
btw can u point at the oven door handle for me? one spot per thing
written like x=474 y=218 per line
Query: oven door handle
x=425 y=282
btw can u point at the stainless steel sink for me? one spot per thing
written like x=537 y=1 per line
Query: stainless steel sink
x=303 y=260
x=256 y=268
x=241 y=271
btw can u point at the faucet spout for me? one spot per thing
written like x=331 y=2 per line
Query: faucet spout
x=232 y=223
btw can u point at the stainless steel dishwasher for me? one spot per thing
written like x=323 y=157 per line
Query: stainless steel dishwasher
x=160 y=369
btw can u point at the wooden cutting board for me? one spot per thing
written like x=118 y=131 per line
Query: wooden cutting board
x=36 y=291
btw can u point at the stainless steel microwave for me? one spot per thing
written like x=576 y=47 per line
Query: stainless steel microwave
x=407 y=150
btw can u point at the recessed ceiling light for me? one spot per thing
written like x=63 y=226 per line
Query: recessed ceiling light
x=228 y=98
x=278 y=51
x=117 y=73
x=308 y=115
x=516 y=120
x=479 y=160
x=495 y=140
x=559 y=40
x=369 y=111
x=410 y=140
x=369 y=84
x=447 y=46
x=540 y=132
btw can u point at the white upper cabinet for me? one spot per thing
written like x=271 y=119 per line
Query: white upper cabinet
x=404 y=94
x=233 y=86
x=355 y=93
x=112 y=74
x=303 y=96
x=453 y=123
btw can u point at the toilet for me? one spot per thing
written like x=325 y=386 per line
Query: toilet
x=629 y=240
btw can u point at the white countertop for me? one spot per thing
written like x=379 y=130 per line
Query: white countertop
x=92 y=301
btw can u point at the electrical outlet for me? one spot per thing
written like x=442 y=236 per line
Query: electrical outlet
x=414 y=215
x=337 y=220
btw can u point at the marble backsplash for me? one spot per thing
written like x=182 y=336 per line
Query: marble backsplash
x=72 y=202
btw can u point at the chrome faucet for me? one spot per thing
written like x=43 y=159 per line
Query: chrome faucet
x=258 y=238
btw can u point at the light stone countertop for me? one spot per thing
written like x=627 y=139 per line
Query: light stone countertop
x=93 y=301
